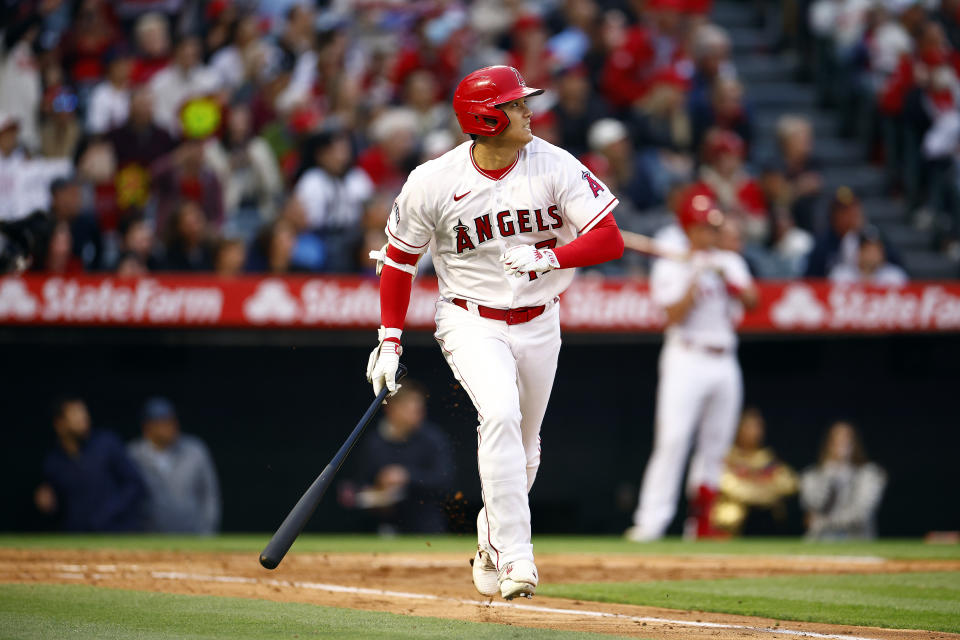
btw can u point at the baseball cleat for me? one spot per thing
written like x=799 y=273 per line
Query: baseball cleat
x=636 y=534
x=518 y=578
x=485 y=574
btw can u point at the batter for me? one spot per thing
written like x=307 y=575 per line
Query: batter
x=700 y=387
x=506 y=218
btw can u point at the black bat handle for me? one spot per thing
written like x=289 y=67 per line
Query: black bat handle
x=293 y=524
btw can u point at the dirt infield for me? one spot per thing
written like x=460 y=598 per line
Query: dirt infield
x=438 y=585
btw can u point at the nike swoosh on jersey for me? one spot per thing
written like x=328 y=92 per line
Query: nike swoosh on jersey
x=457 y=198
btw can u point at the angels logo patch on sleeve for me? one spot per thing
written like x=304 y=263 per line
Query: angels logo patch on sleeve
x=595 y=186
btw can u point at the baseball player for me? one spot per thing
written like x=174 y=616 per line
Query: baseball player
x=506 y=218
x=700 y=387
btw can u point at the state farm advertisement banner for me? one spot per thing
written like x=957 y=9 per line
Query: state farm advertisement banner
x=352 y=302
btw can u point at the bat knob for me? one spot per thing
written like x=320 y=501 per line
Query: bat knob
x=401 y=372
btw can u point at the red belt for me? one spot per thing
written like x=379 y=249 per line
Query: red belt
x=714 y=351
x=510 y=316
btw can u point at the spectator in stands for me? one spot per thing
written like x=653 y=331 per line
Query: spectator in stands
x=90 y=482
x=188 y=246
x=186 y=77
x=93 y=31
x=24 y=182
x=403 y=467
x=576 y=110
x=419 y=96
x=393 y=153
x=272 y=249
x=66 y=207
x=109 y=104
x=711 y=57
x=839 y=243
x=230 y=63
x=800 y=168
x=871 y=266
x=184 y=174
x=626 y=172
x=727 y=110
x=183 y=495
x=138 y=140
x=230 y=257
x=153 y=46
x=309 y=252
x=20 y=84
x=137 y=242
x=247 y=169
x=332 y=191
x=842 y=493
x=754 y=479
x=738 y=193
x=60 y=130
x=789 y=247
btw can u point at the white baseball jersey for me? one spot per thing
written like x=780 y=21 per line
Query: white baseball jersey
x=711 y=321
x=546 y=198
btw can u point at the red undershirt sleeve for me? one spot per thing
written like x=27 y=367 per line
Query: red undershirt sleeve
x=602 y=243
x=395 y=288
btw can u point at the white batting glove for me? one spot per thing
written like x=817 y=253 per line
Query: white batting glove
x=525 y=258
x=383 y=363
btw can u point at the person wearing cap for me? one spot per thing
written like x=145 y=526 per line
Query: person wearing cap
x=700 y=388
x=183 y=491
x=871 y=266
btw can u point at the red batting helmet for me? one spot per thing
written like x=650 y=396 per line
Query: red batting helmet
x=696 y=205
x=479 y=94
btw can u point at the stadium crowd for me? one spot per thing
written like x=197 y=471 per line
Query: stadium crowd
x=240 y=136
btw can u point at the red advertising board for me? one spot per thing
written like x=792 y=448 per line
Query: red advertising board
x=351 y=302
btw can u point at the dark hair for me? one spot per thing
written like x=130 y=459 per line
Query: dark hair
x=60 y=405
x=859 y=455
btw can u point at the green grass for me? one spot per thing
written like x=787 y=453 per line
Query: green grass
x=253 y=543
x=929 y=601
x=67 y=612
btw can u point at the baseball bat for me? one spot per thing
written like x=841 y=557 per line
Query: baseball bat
x=649 y=246
x=293 y=524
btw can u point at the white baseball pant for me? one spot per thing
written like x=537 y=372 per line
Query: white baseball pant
x=508 y=371
x=698 y=394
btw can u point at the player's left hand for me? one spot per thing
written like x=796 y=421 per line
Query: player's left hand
x=525 y=258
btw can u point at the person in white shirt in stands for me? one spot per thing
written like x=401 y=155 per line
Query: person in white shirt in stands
x=871 y=266
x=185 y=78
x=24 y=182
x=333 y=192
x=110 y=101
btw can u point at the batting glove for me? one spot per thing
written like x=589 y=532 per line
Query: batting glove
x=525 y=258
x=383 y=363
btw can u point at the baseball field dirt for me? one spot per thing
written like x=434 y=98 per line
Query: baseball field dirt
x=436 y=583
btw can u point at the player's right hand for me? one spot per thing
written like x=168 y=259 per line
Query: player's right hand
x=382 y=365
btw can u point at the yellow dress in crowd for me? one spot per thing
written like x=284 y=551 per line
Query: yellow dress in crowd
x=752 y=479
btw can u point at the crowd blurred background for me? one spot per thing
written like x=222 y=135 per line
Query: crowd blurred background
x=236 y=136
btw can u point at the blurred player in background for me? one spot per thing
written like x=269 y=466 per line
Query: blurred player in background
x=700 y=387
x=506 y=218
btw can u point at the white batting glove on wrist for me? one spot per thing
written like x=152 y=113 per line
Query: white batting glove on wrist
x=382 y=365
x=525 y=258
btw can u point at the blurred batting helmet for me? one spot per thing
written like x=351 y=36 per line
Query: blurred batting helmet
x=696 y=206
x=479 y=95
